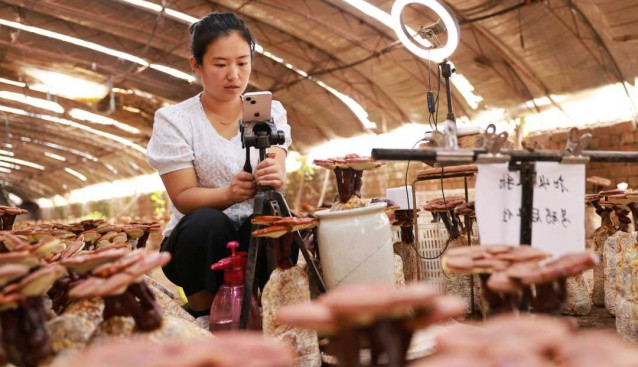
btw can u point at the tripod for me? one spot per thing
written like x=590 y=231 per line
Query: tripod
x=267 y=202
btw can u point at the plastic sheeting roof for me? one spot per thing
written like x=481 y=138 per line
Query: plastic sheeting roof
x=512 y=52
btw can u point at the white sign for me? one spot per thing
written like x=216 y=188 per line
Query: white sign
x=402 y=196
x=497 y=202
x=558 y=214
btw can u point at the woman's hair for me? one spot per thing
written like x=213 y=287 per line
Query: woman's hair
x=213 y=26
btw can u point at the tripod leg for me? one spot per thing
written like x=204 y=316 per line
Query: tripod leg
x=314 y=272
x=249 y=281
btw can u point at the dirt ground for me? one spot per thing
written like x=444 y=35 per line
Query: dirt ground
x=598 y=319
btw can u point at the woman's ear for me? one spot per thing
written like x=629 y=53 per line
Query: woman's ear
x=195 y=66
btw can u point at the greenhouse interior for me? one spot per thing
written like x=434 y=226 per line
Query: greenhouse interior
x=353 y=183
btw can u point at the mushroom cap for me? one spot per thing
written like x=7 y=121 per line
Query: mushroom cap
x=620 y=199
x=442 y=308
x=359 y=304
x=500 y=282
x=444 y=204
x=467 y=168
x=12 y=242
x=11 y=272
x=150 y=261
x=49 y=248
x=297 y=224
x=600 y=181
x=72 y=249
x=9 y=299
x=315 y=316
x=591 y=197
x=40 y=281
x=110 y=268
x=363 y=163
x=272 y=231
x=89 y=288
x=12 y=210
x=611 y=192
x=543 y=272
x=108 y=236
x=38 y=235
x=325 y=163
x=414 y=294
x=105 y=228
x=523 y=253
x=135 y=231
x=229 y=349
x=457 y=264
x=85 y=263
x=119 y=245
x=488 y=259
x=90 y=235
x=129 y=272
x=20 y=257
x=265 y=220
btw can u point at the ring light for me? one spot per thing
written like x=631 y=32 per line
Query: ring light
x=450 y=22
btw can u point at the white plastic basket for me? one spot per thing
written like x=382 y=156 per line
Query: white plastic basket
x=430 y=245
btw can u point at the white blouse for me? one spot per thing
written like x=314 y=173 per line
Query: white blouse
x=184 y=138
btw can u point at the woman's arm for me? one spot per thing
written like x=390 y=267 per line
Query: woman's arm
x=182 y=188
x=272 y=170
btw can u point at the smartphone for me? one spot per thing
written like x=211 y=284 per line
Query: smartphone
x=256 y=106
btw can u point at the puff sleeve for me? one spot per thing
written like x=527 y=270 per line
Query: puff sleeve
x=170 y=147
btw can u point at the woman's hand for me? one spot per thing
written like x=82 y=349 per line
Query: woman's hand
x=242 y=187
x=270 y=173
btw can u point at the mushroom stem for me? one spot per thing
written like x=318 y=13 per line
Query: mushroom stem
x=113 y=307
x=59 y=293
x=346 y=346
x=624 y=220
x=491 y=299
x=407 y=234
x=23 y=333
x=137 y=301
x=456 y=218
x=340 y=185
x=357 y=182
x=549 y=297
x=151 y=313
x=450 y=225
x=7 y=221
x=394 y=339
x=283 y=250
x=141 y=242
x=348 y=184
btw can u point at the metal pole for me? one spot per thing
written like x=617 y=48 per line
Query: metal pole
x=515 y=155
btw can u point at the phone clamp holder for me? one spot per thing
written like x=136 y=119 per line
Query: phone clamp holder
x=262 y=135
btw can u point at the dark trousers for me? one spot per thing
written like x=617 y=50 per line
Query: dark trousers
x=197 y=242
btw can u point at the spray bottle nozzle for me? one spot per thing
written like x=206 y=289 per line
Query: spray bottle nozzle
x=237 y=259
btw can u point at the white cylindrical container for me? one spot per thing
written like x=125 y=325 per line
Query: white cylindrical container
x=355 y=246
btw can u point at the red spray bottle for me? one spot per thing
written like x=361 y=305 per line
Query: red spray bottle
x=226 y=306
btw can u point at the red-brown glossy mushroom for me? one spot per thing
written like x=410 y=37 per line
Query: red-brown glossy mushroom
x=123 y=289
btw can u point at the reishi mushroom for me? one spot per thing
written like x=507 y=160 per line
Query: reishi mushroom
x=288 y=284
x=349 y=173
x=372 y=316
x=123 y=290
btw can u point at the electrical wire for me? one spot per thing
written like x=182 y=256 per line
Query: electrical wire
x=447 y=243
x=405 y=182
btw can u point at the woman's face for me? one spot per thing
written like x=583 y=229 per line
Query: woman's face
x=225 y=68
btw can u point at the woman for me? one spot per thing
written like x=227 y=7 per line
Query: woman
x=196 y=148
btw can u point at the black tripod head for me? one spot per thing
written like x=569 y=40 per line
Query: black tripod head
x=261 y=135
